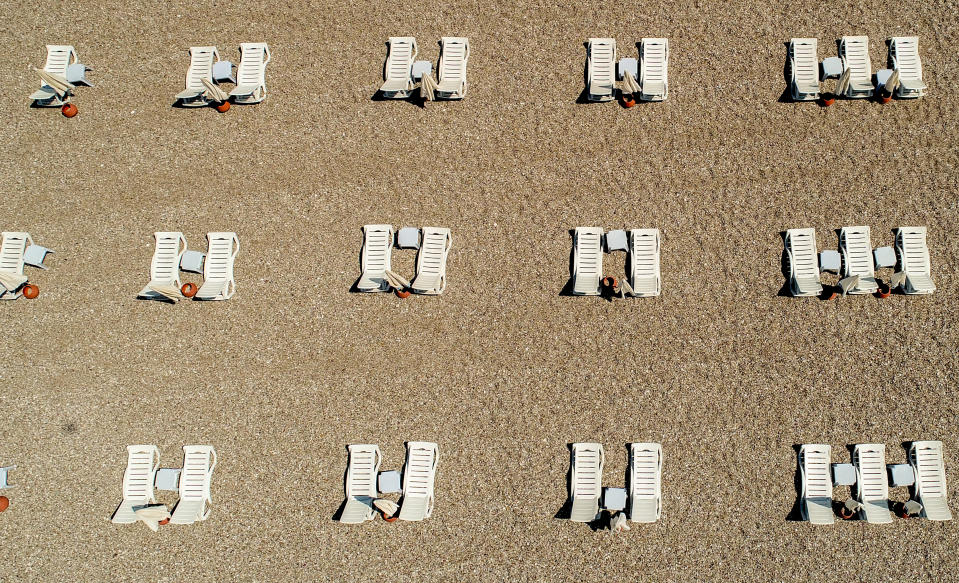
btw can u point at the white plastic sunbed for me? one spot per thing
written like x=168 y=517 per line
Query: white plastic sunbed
x=11 y=263
x=218 y=281
x=398 y=71
x=854 y=51
x=587 y=260
x=904 y=54
x=59 y=57
x=195 y=477
x=601 y=69
x=431 y=261
x=201 y=67
x=930 y=489
x=804 y=68
x=419 y=474
x=872 y=489
x=361 y=474
x=645 y=482
x=143 y=461
x=165 y=267
x=644 y=262
x=856 y=247
x=914 y=260
x=251 y=74
x=452 y=71
x=653 y=71
x=375 y=258
x=814 y=468
x=586 y=481
x=803 y=262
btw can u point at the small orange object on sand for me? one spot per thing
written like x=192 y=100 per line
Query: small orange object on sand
x=884 y=291
x=164 y=521
x=828 y=99
x=4 y=503
x=629 y=101
x=223 y=107
x=391 y=518
x=188 y=290
x=403 y=293
x=69 y=110
x=30 y=291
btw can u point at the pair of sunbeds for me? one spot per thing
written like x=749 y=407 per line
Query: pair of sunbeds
x=61 y=73
x=206 y=68
x=854 y=54
x=601 y=74
x=375 y=259
x=399 y=76
x=218 y=281
x=872 y=486
x=140 y=477
x=644 y=481
x=419 y=475
x=642 y=264
x=857 y=259
x=16 y=250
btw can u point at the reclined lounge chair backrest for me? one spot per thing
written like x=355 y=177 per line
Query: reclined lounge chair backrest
x=804 y=67
x=12 y=249
x=645 y=479
x=926 y=460
x=397 y=73
x=587 y=260
x=904 y=54
x=452 y=70
x=586 y=480
x=419 y=475
x=854 y=51
x=252 y=68
x=855 y=244
x=644 y=262
x=872 y=487
x=165 y=266
x=361 y=473
x=218 y=281
x=431 y=261
x=803 y=262
x=914 y=260
x=654 y=69
x=195 y=498
x=201 y=67
x=59 y=57
x=601 y=69
x=814 y=468
x=143 y=461
x=375 y=258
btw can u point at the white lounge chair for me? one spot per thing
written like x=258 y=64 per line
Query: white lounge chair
x=803 y=262
x=375 y=258
x=856 y=247
x=218 y=281
x=11 y=263
x=645 y=482
x=872 y=490
x=854 y=51
x=804 y=68
x=419 y=474
x=452 y=71
x=431 y=261
x=143 y=461
x=601 y=69
x=904 y=54
x=251 y=74
x=814 y=468
x=644 y=262
x=914 y=260
x=930 y=489
x=201 y=67
x=195 y=500
x=653 y=69
x=586 y=481
x=165 y=267
x=398 y=71
x=587 y=260
x=59 y=57
x=361 y=473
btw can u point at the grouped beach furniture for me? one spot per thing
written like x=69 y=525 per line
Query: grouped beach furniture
x=925 y=457
x=431 y=261
x=195 y=500
x=804 y=68
x=814 y=468
x=397 y=73
x=455 y=53
x=419 y=475
x=586 y=481
x=872 y=488
x=56 y=90
x=361 y=473
x=433 y=245
x=143 y=461
x=854 y=52
x=857 y=259
x=375 y=258
x=200 y=70
x=587 y=260
x=803 y=262
x=904 y=57
x=914 y=263
x=251 y=74
x=645 y=482
x=654 y=64
x=218 y=280
x=601 y=69
x=165 y=268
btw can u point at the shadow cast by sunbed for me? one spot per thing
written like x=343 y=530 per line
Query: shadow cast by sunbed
x=568 y=287
x=795 y=514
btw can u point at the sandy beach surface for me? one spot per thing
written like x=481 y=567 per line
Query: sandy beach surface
x=501 y=371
